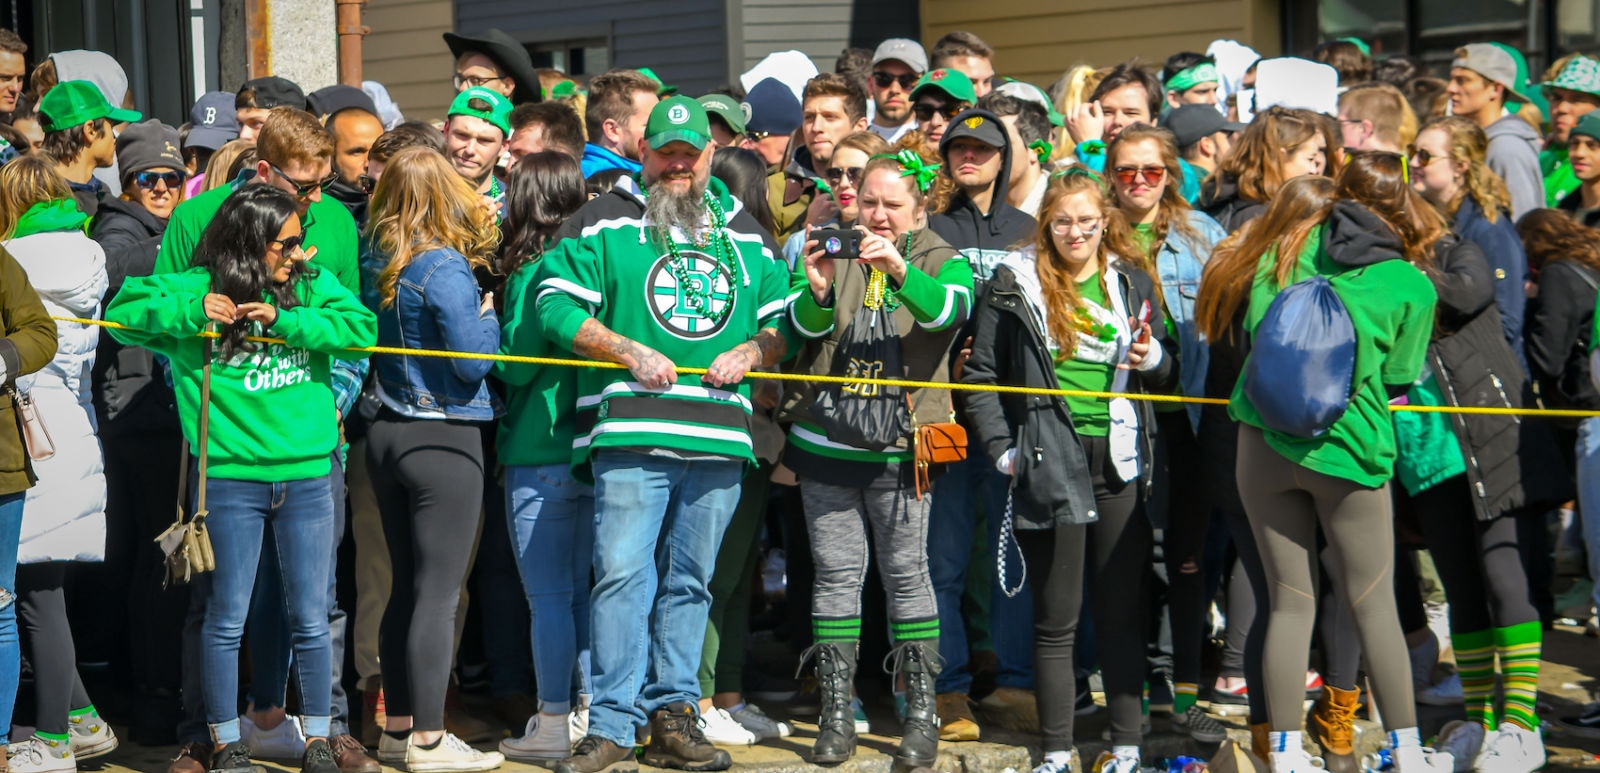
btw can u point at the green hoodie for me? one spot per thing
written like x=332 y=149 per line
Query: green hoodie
x=272 y=412
x=538 y=425
x=58 y=215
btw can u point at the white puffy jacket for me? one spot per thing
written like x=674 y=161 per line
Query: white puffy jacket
x=64 y=517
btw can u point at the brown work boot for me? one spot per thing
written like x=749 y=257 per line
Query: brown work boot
x=956 y=722
x=676 y=741
x=1012 y=708
x=593 y=754
x=1332 y=725
x=351 y=756
x=194 y=757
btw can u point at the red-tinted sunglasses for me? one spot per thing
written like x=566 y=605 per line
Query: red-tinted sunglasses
x=1152 y=175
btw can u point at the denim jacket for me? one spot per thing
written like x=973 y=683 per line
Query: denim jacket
x=1179 y=262
x=436 y=306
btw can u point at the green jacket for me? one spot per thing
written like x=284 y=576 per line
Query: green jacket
x=537 y=427
x=272 y=411
x=29 y=343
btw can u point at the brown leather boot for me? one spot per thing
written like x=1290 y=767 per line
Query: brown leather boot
x=1332 y=726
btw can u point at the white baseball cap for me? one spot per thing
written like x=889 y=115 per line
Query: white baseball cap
x=904 y=50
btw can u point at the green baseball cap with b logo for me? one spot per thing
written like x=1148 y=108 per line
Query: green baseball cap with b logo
x=473 y=102
x=72 y=103
x=678 y=119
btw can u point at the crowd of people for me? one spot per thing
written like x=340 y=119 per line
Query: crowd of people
x=1310 y=242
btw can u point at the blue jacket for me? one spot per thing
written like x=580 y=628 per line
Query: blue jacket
x=1179 y=262
x=1503 y=248
x=436 y=306
x=598 y=159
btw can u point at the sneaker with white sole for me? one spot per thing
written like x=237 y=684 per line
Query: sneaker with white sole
x=578 y=719
x=1511 y=750
x=1422 y=759
x=1295 y=761
x=1058 y=762
x=391 y=750
x=287 y=741
x=37 y=755
x=1463 y=739
x=1116 y=763
x=546 y=737
x=449 y=755
x=1445 y=692
x=1200 y=726
x=91 y=736
x=756 y=721
x=722 y=729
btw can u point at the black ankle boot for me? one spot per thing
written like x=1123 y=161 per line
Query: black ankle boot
x=919 y=662
x=836 y=727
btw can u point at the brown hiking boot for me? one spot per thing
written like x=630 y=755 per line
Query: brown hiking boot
x=594 y=754
x=676 y=741
x=956 y=722
x=1332 y=725
x=194 y=757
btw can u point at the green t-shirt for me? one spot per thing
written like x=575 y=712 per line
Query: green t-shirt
x=1090 y=415
x=1391 y=305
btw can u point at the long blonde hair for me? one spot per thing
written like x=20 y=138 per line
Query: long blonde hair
x=30 y=179
x=1470 y=146
x=421 y=204
x=1056 y=283
x=1075 y=87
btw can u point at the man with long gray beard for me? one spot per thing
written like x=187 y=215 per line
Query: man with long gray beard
x=673 y=273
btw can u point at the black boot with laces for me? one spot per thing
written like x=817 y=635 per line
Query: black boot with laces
x=919 y=662
x=836 y=726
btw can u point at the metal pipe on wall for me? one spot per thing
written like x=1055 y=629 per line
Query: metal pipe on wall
x=351 y=31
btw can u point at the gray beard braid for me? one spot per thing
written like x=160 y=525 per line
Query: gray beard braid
x=665 y=208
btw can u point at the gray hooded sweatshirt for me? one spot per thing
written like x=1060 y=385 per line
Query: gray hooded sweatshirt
x=1514 y=155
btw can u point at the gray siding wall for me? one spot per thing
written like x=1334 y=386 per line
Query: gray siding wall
x=819 y=28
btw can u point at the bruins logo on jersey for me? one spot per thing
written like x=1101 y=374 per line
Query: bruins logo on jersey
x=694 y=302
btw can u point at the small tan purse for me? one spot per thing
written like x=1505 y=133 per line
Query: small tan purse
x=34 y=434
x=186 y=542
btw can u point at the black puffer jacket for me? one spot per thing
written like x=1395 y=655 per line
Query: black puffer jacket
x=1556 y=332
x=1220 y=198
x=131 y=394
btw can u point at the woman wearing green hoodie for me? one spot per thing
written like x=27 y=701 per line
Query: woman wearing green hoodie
x=272 y=429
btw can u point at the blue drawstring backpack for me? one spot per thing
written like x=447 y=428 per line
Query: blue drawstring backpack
x=1302 y=360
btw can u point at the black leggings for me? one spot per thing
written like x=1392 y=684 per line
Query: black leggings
x=1118 y=549
x=1479 y=562
x=42 y=615
x=1188 y=522
x=428 y=476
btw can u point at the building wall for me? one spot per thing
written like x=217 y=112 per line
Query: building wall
x=818 y=28
x=1038 y=40
x=406 y=53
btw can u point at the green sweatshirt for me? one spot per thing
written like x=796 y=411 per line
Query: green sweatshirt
x=537 y=428
x=272 y=412
x=328 y=227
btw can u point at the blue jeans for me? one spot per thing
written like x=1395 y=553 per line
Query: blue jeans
x=300 y=516
x=1589 y=494
x=956 y=496
x=551 y=517
x=658 y=524
x=10 y=647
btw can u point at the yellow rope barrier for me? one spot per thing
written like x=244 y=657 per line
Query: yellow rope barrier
x=1001 y=388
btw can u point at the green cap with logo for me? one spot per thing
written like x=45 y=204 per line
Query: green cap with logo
x=953 y=82
x=73 y=103
x=678 y=119
x=727 y=108
x=498 y=112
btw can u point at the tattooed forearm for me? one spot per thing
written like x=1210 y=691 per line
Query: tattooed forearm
x=769 y=347
x=598 y=342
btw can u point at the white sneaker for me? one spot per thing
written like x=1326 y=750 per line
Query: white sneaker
x=1463 y=739
x=91 y=737
x=451 y=755
x=37 y=755
x=391 y=750
x=1446 y=693
x=1421 y=759
x=287 y=741
x=723 y=730
x=545 y=738
x=1294 y=761
x=578 y=721
x=1058 y=762
x=1115 y=763
x=1511 y=750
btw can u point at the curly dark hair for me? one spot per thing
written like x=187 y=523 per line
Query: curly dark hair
x=233 y=249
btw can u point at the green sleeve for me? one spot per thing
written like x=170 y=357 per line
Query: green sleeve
x=178 y=242
x=570 y=286
x=519 y=330
x=160 y=310
x=332 y=321
x=1404 y=362
x=345 y=263
x=807 y=318
x=942 y=302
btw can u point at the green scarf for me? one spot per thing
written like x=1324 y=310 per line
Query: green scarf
x=58 y=215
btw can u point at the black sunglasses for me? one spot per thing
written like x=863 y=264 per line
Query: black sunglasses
x=836 y=174
x=301 y=189
x=291 y=244
x=148 y=180
x=884 y=79
x=925 y=110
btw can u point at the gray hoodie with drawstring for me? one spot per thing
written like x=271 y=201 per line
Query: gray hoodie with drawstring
x=1514 y=155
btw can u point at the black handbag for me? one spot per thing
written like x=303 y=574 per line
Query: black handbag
x=867 y=416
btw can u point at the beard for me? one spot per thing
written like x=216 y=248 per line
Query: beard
x=666 y=207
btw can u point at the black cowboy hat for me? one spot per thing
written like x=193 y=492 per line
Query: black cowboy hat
x=507 y=54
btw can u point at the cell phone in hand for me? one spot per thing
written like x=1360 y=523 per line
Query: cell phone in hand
x=838 y=243
x=1144 y=313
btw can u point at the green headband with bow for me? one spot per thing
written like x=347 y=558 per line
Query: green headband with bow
x=1080 y=170
x=912 y=165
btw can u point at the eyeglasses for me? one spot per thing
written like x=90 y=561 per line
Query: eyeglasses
x=302 y=190
x=836 y=174
x=463 y=81
x=1086 y=226
x=291 y=244
x=148 y=180
x=367 y=183
x=1151 y=175
x=885 y=79
x=925 y=110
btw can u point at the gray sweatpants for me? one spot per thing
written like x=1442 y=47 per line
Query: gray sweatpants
x=1285 y=502
x=837 y=518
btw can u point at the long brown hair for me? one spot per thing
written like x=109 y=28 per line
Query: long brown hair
x=31 y=179
x=1549 y=235
x=1470 y=146
x=422 y=204
x=1378 y=180
x=1172 y=212
x=1060 y=290
x=1300 y=206
x=1256 y=162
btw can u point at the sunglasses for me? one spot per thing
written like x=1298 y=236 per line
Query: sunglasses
x=291 y=244
x=925 y=110
x=884 y=79
x=464 y=81
x=836 y=174
x=367 y=183
x=1151 y=175
x=148 y=180
x=1419 y=157
x=757 y=136
x=302 y=190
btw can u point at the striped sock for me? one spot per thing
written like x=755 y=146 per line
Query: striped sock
x=1184 y=695
x=1518 y=647
x=86 y=710
x=1475 y=663
x=836 y=629
x=915 y=630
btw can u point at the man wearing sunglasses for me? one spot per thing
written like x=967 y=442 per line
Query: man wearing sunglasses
x=896 y=66
x=938 y=97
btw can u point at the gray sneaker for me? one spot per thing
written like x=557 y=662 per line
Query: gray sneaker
x=1200 y=726
x=756 y=721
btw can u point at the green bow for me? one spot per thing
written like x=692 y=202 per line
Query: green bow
x=1043 y=149
x=912 y=165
